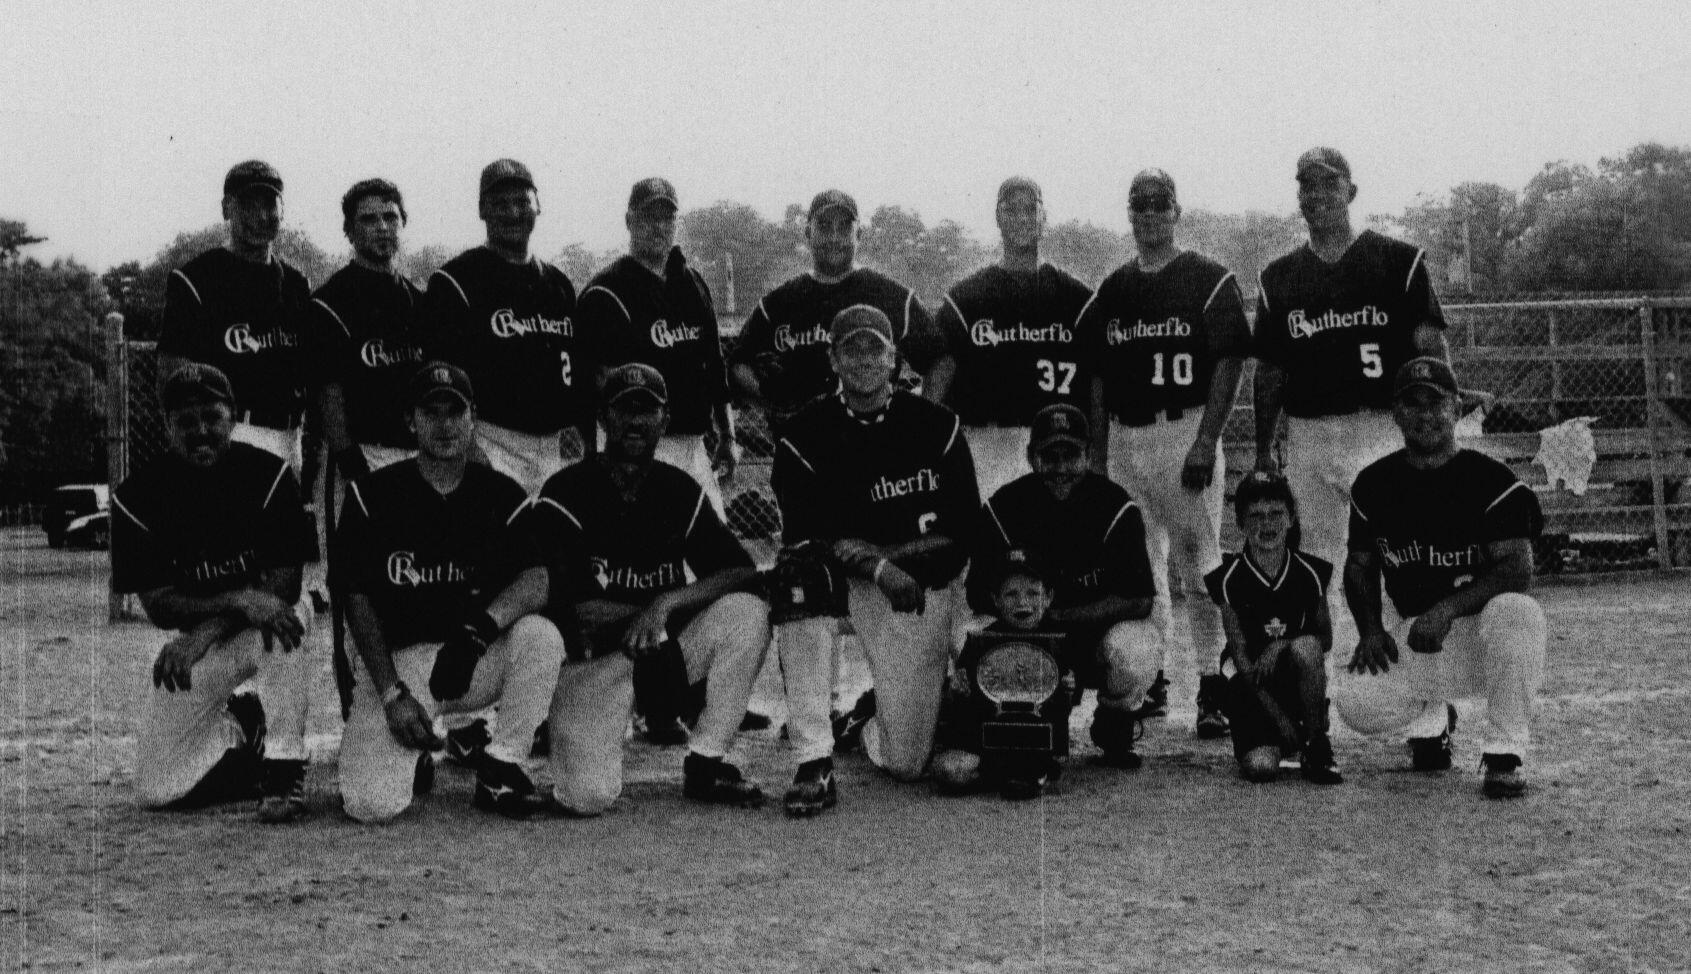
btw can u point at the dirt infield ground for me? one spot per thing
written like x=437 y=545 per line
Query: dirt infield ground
x=1178 y=867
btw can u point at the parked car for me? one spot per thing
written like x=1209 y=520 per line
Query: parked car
x=79 y=515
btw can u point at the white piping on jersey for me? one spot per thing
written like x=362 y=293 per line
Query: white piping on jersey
x=518 y=512
x=1262 y=291
x=1001 y=532
x=698 y=506
x=332 y=312
x=1274 y=584
x=958 y=311
x=358 y=496
x=1117 y=519
x=191 y=287
x=1517 y=485
x=1357 y=510
x=562 y=510
x=1085 y=307
x=131 y=515
x=1314 y=575
x=456 y=286
x=275 y=483
x=1217 y=289
x=1412 y=265
x=797 y=455
x=620 y=306
x=956 y=427
x=1227 y=577
x=909 y=296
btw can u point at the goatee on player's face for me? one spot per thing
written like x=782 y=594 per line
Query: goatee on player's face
x=651 y=232
x=864 y=362
x=255 y=217
x=374 y=230
x=1427 y=418
x=1022 y=601
x=1324 y=198
x=1021 y=221
x=510 y=211
x=633 y=426
x=1152 y=214
x=445 y=426
x=832 y=236
x=200 y=432
x=1060 y=466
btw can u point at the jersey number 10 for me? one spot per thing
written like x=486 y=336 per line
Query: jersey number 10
x=1180 y=369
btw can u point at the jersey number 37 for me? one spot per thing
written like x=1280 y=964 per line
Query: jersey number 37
x=1055 y=377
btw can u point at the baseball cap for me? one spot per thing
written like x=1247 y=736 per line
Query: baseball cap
x=250 y=174
x=195 y=382
x=1060 y=422
x=1151 y=180
x=1019 y=184
x=1434 y=373
x=635 y=378
x=654 y=189
x=440 y=376
x=828 y=199
x=857 y=319
x=1323 y=157
x=505 y=171
x=1017 y=561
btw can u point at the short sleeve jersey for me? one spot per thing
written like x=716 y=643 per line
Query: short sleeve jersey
x=512 y=328
x=669 y=324
x=1431 y=527
x=1156 y=337
x=791 y=324
x=1284 y=606
x=889 y=478
x=423 y=557
x=247 y=319
x=1340 y=331
x=208 y=531
x=365 y=335
x=1013 y=336
x=1094 y=541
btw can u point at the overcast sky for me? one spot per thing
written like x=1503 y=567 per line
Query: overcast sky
x=118 y=120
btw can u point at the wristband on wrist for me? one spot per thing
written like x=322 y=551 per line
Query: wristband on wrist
x=399 y=689
x=880 y=566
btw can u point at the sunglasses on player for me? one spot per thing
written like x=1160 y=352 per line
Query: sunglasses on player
x=1151 y=204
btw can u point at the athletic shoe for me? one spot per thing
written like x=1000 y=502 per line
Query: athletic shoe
x=505 y=788
x=1022 y=789
x=284 y=792
x=1156 y=699
x=1433 y=753
x=664 y=731
x=813 y=789
x=467 y=744
x=248 y=713
x=1212 y=723
x=1503 y=776
x=754 y=721
x=1114 y=731
x=542 y=746
x=1318 y=766
x=848 y=727
x=422 y=780
x=717 y=782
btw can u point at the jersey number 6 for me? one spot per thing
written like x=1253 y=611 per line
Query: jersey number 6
x=1048 y=376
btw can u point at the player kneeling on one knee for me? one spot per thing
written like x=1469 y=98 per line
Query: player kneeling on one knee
x=1273 y=600
x=620 y=532
x=1449 y=531
x=441 y=592
x=213 y=537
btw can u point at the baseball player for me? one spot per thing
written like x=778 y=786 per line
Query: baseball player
x=1273 y=601
x=440 y=591
x=1335 y=320
x=1091 y=536
x=1449 y=532
x=651 y=307
x=886 y=478
x=621 y=532
x=508 y=319
x=241 y=308
x=1169 y=335
x=213 y=537
x=782 y=359
x=1011 y=329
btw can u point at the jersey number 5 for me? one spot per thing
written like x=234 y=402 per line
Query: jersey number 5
x=564 y=366
x=1055 y=376
x=1372 y=365
x=1180 y=369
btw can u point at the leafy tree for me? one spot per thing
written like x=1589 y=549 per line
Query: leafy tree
x=14 y=236
x=142 y=286
x=1086 y=250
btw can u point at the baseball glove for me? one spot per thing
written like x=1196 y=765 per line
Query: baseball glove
x=806 y=582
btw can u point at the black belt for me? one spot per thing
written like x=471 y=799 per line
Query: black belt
x=1147 y=417
x=275 y=419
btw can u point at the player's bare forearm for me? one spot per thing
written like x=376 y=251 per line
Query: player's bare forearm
x=936 y=383
x=597 y=613
x=1362 y=591
x=1429 y=340
x=373 y=649
x=1224 y=391
x=1267 y=396
x=170 y=608
x=286 y=583
x=526 y=594
x=1106 y=611
x=1324 y=626
x=706 y=590
x=1235 y=632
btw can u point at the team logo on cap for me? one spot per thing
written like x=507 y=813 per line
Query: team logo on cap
x=1060 y=424
x=442 y=376
x=1421 y=370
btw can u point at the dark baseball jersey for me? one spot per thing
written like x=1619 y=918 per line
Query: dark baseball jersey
x=888 y=478
x=668 y=323
x=512 y=328
x=1285 y=606
x=1013 y=336
x=1156 y=337
x=1431 y=527
x=1093 y=541
x=365 y=334
x=206 y=531
x=790 y=328
x=248 y=319
x=1339 y=331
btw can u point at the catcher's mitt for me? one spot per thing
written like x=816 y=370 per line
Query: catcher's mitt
x=806 y=582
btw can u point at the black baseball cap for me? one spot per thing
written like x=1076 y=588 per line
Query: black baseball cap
x=828 y=199
x=252 y=174
x=1017 y=562
x=440 y=376
x=1019 y=184
x=1060 y=422
x=1434 y=373
x=1323 y=158
x=195 y=382
x=505 y=171
x=653 y=189
x=857 y=319
x=1151 y=180
x=635 y=378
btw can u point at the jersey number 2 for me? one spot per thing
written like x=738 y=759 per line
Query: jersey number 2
x=1180 y=369
x=1055 y=376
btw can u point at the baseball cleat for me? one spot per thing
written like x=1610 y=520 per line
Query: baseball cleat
x=248 y=713
x=283 y=792
x=716 y=782
x=422 y=780
x=1114 y=731
x=1318 y=766
x=1156 y=699
x=1503 y=776
x=505 y=788
x=1022 y=789
x=664 y=731
x=1212 y=723
x=1433 y=753
x=542 y=746
x=848 y=727
x=813 y=789
x=465 y=745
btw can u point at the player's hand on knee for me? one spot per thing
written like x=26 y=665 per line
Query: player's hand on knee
x=1427 y=632
x=285 y=629
x=173 y=669
x=271 y=616
x=410 y=723
x=1267 y=663
x=1199 y=467
x=903 y=591
x=455 y=664
x=648 y=631
x=1375 y=653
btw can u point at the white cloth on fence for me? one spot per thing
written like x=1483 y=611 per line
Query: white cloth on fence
x=1568 y=452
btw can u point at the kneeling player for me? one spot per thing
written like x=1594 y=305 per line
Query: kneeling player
x=439 y=594
x=213 y=537
x=1273 y=601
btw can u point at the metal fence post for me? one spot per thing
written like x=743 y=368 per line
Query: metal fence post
x=117 y=427
x=1653 y=419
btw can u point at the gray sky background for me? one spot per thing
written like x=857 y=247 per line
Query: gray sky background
x=117 y=121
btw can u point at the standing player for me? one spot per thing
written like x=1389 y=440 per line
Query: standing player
x=213 y=537
x=621 y=532
x=1450 y=533
x=1335 y=320
x=886 y=479
x=1169 y=335
x=1010 y=328
x=651 y=307
x=1089 y=533
x=241 y=308
x=507 y=318
x=439 y=591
